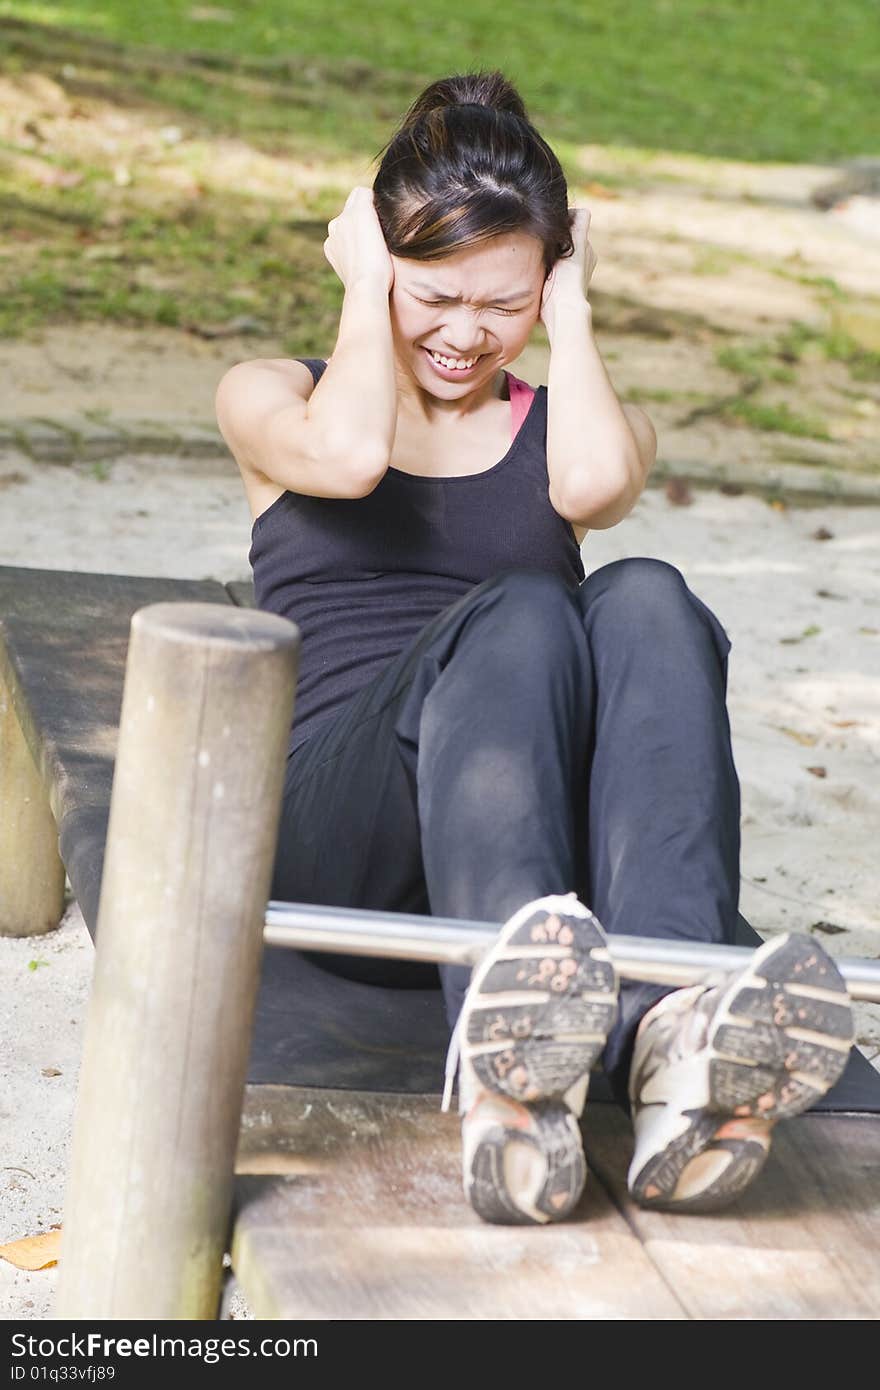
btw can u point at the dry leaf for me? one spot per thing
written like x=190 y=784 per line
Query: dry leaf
x=594 y=189
x=50 y=1071
x=678 y=492
x=810 y=631
x=829 y=928
x=818 y=771
x=33 y=1252
x=808 y=740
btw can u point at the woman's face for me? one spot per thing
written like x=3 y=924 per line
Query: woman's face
x=480 y=303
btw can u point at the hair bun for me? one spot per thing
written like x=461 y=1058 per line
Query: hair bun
x=453 y=176
x=491 y=89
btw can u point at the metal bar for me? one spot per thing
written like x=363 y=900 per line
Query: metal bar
x=450 y=941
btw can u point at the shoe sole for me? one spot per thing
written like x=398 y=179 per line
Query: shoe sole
x=537 y=1017
x=779 y=1040
x=540 y=1005
x=556 y=1136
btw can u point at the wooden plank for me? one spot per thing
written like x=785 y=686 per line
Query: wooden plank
x=65 y=638
x=63 y=644
x=802 y=1242
x=31 y=871
x=350 y=1206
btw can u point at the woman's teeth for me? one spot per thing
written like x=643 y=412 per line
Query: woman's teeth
x=454 y=363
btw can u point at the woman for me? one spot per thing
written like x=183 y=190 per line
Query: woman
x=481 y=731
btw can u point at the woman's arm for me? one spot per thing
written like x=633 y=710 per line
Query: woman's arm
x=355 y=402
x=599 y=453
x=333 y=440
x=356 y=399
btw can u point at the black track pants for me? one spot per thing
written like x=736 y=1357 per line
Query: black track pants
x=532 y=739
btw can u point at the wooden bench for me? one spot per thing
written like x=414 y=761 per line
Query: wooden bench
x=348 y=1200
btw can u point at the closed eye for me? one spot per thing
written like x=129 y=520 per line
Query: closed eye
x=434 y=303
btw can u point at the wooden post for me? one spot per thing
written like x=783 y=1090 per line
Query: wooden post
x=193 y=823
x=31 y=871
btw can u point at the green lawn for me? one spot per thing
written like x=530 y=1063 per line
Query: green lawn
x=136 y=211
x=786 y=80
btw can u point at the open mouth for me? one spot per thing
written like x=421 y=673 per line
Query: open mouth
x=452 y=372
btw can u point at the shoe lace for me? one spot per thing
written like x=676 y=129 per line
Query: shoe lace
x=453 y=1053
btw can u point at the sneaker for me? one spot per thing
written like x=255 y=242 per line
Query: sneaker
x=715 y=1067
x=534 y=1021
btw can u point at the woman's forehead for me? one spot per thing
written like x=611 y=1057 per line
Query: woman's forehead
x=504 y=267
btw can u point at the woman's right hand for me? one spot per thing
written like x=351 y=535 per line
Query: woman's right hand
x=355 y=245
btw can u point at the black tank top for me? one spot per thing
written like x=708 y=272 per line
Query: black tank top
x=362 y=576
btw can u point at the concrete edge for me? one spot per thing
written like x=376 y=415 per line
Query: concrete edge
x=77 y=439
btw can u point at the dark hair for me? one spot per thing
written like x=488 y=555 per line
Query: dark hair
x=466 y=164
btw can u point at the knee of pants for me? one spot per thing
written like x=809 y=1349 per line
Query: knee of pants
x=539 y=610
x=643 y=596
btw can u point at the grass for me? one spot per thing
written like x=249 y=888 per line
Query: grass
x=638 y=394
x=737 y=78
x=828 y=287
x=717 y=260
x=801 y=339
x=211 y=264
x=754 y=359
x=771 y=360
x=211 y=151
x=763 y=416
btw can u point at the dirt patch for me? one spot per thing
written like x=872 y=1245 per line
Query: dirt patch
x=133 y=373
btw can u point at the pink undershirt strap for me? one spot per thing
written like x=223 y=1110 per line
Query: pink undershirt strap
x=521 y=397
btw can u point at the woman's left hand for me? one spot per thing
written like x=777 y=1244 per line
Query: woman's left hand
x=570 y=277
